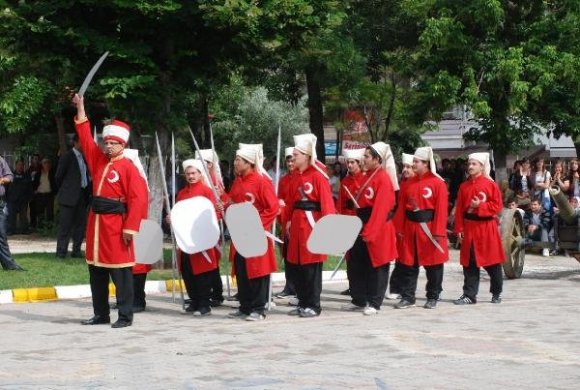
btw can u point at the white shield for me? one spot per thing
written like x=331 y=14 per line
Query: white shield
x=246 y=230
x=334 y=234
x=195 y=224
x=148 y=243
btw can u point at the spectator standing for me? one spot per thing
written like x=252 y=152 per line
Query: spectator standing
x=18 y=194
x=6 y=260
x=574 y=179
x=72 y=180
x=541 y=178
x=33 y=170
x=44 y=190
x=559 y=177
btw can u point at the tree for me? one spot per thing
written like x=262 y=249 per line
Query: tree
x=512 y=63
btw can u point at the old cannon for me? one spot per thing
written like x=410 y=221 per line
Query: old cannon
x=566 y=224
x=512 y=237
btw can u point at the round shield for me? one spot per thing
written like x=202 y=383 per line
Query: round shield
x=334 y=234
x=148 y=243
x=195 y=224
x=246 y=229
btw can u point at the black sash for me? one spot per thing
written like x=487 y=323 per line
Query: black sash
x=420 y=215
x=307 y=205
x=475 y=217
x=364 y=213
x=102 y=205
x=349 y=204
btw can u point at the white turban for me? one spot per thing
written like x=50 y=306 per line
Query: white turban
x=306 y=143
x=425 y=153
x=407 y=159
x=211 y=156
x=288 y=152
x=197 y=164
x=254 y=154
x=133 y=155
x=388 y=161
x=354 y=154
x=482 y=158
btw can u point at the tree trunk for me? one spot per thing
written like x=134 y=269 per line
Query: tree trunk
x=500 y=160
x=316 y=114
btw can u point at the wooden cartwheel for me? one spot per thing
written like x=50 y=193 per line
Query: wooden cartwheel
x=512 y=237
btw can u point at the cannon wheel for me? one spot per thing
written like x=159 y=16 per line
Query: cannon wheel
x=512 y=237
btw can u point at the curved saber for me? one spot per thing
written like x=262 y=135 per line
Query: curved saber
x=91 y=73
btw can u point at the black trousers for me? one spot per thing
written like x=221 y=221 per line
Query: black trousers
x=308 y=279
x=367 y=283
x=471 y=276
x=198 y=287
x=409 y=275
x=217 y=288
x=139 y=290
x=123 y=280
x=289 y=287
x=252 y=293
x=289 y=274
x=71 y=223
x=43 y=207
x=395 y=281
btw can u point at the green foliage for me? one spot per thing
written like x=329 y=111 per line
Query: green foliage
x=249 y=115
x=23 y=99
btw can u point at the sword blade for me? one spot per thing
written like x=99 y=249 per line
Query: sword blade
x=91 y=73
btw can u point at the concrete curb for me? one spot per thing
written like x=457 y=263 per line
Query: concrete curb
x=42 y=294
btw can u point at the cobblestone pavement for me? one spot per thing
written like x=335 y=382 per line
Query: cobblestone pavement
x=530 y=341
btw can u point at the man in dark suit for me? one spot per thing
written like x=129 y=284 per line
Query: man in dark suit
x=74 y=188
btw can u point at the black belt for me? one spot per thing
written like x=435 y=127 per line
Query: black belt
x=420 y=215
x=307 y=205
x=364 y=213
x=102 y=205
x=475 y=217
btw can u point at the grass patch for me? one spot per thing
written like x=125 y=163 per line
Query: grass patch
x=44 y=270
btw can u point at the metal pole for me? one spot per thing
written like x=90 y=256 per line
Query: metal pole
x=222 y=230
x=168 y=208
x=276 y=182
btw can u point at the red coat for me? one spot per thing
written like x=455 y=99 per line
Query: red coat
x=427 y=192
x=116 y=179
x=484 y=236
x=353 y=183
x=259 y=190
x=198 y=262
x=284 y=186
x=396 y=222
x=316 y=188
x=378 y=233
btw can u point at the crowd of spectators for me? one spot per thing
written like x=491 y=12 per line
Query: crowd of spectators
x=30 y=197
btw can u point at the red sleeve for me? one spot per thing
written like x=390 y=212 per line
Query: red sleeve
x=441 y=213
x=269 y=203
x=493 y=205
x=459 y=210
x=326 y=199
x=384 y=202
x=93 y=154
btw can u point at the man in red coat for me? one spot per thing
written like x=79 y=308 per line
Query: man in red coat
x=309 y=200
x=212 y=162
x=406 y=174
x=283 y=190
x=422 y=220
x=478 y=204
x=120 y=202
x=350 y=185
x=198 y=268
x=253 y=273
x=375 y=247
